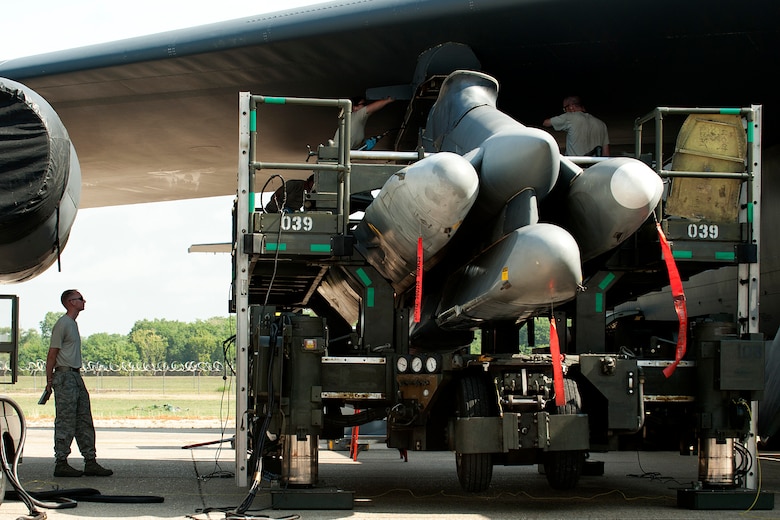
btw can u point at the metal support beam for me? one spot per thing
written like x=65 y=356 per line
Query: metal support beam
x=247 y=125
x=592 y=311
x=749 y=273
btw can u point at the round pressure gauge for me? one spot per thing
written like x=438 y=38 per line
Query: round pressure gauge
x=431 y=364
x=417 y=364
x=401 y=364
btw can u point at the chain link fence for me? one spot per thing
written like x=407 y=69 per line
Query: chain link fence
x=150 y=369
x=155 y=377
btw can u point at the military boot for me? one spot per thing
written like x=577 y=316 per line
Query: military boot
x=93 y=469
x=63 y=469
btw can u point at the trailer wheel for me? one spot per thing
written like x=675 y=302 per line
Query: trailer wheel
x=475 y=470
x=563 y=468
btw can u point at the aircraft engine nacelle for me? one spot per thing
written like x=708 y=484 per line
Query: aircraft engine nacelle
x=40 y=183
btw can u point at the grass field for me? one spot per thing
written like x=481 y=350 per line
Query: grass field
x=136 y=397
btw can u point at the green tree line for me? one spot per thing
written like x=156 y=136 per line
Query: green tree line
x=149 y=341
x=165 y=341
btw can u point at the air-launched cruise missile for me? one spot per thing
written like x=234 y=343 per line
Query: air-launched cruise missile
x=606 y=203
x=426 y=200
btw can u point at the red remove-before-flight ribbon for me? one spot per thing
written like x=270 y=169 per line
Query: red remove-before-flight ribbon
x=675 y=283
x=418 y=281
x=555 y=351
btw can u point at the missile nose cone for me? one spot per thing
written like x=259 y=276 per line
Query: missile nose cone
x=428 y=199
x=452 y=178
x=634 y=185
x=515 y=159
x=609 y=201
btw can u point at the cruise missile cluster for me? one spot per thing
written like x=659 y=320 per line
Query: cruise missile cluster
x=475 y=203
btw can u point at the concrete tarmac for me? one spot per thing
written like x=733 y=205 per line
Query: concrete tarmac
x=198 y=483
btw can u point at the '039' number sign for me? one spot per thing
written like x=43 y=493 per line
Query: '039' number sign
x=296 y=223
x=703 y=231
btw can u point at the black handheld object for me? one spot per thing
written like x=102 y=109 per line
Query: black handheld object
x=45 y=396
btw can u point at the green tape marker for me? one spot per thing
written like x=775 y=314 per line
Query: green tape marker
x=606 y=281
x=363 y=277
x=275 y=101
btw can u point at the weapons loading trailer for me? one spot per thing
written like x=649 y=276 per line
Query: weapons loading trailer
x=296 y=372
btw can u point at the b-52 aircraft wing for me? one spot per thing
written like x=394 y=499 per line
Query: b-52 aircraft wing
x=153 y=118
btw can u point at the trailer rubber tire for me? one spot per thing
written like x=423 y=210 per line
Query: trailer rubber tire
x=563 y=468
x=475 y=470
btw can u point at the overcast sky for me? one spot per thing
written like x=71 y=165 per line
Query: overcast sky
x=129 y=262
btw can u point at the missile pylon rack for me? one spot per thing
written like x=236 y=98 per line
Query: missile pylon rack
x=709 y=172
x=295 y=250
x=713 y=230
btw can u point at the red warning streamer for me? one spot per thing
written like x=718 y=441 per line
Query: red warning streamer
x=418 y=281
x=679 y=301
x=555 y=351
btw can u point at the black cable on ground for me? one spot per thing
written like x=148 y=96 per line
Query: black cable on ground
x=11 y=452
x=122 y=499
x=73 y=496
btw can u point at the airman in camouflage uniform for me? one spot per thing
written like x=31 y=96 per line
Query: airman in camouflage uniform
x=73 y=412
